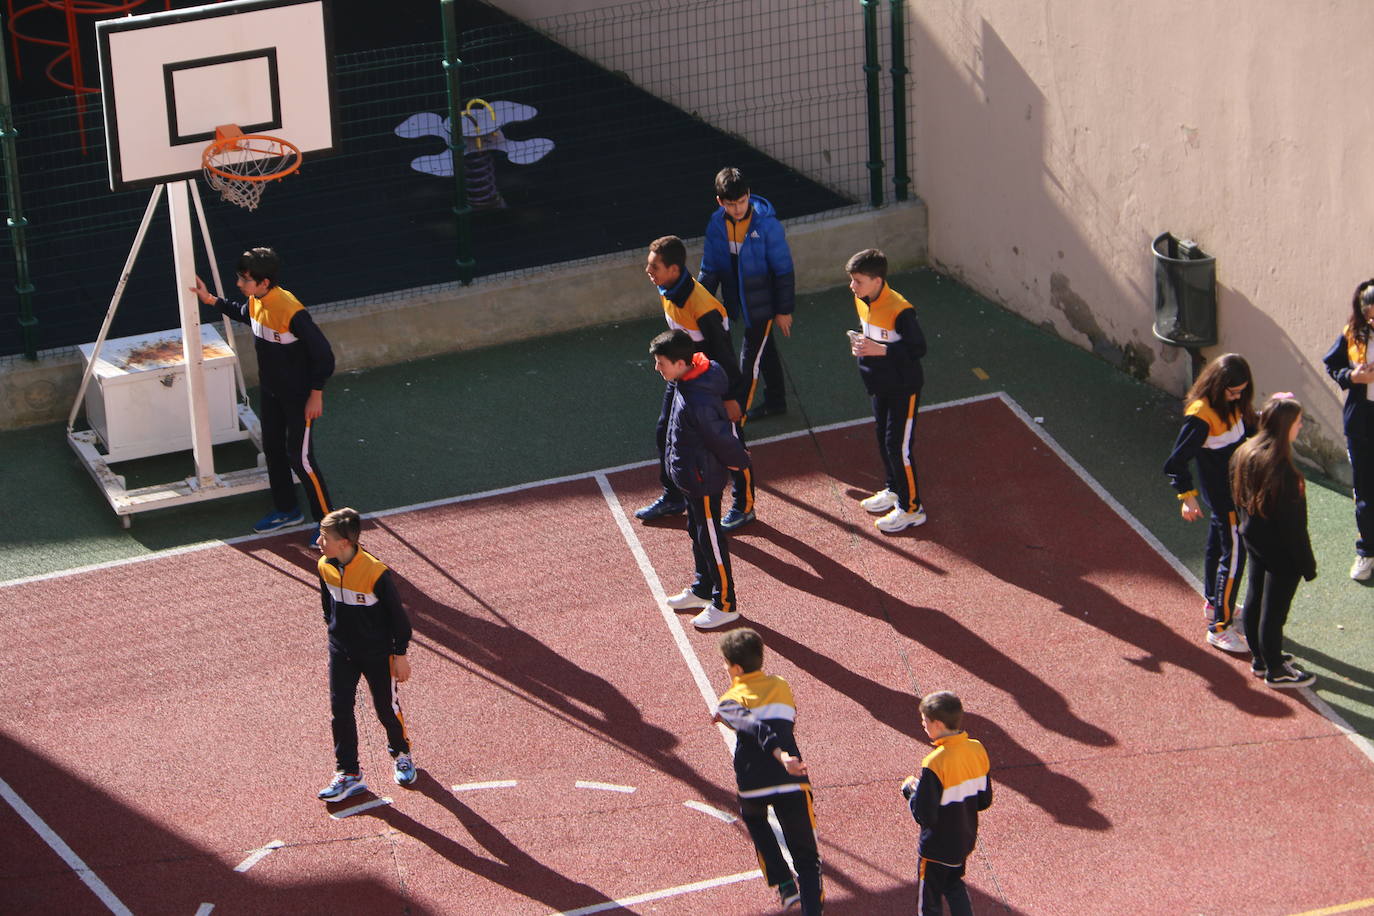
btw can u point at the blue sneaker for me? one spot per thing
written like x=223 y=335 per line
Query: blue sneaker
x=406 y=774
x=315 y=538
x=274 y=520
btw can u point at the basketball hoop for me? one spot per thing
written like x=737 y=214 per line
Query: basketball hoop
x=240 y=165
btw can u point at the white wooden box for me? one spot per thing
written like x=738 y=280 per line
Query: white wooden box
x=137 y=401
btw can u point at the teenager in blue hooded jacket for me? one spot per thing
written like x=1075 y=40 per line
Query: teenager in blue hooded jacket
x=702 y=447
x=746 y=255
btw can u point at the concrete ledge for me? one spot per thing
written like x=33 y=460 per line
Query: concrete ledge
x=499 y=309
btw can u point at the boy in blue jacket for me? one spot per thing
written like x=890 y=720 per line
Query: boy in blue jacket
x=700 y=450
x=746 y=255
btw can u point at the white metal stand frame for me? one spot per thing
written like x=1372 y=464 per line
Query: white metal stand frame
x=205 y=484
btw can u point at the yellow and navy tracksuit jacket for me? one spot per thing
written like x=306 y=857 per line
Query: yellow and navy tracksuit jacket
x=362 y=607
x=294 y=357
x=760 y=708
x=952 y=789
x=687 y=306
x=1209 y=438
x=891 y=320
x=1347 y=353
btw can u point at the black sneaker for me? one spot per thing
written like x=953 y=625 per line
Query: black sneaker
x=788 y=894
x=1289 y=677
x=766 y=410
x=736 y=519
x=663 y=506
x=1257 y=667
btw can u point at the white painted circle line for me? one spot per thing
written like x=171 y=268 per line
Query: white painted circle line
x=714 y=812
x=258 y=855
x=205 y=909
x=492 y=784
x=626 y=902
x=358 y=809
x=603 y=786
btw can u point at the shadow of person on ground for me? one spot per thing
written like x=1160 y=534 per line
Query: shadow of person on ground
x=821 y=575
x=500 y=861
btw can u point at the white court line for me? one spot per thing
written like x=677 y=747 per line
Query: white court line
x=60 y=847
x=491 y=784
x=446 y=501
x=626 y=902
x=358 y=809
x=1362 y=744
x=603 y=786
x=258 y=855
x=714 y=812
x=205 y=909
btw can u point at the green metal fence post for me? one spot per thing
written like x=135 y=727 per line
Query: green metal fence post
x=17 y=223
x=871 y=70
x=900 y=180
x=462 y=213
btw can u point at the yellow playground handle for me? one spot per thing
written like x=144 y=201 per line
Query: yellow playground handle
x=491 y=111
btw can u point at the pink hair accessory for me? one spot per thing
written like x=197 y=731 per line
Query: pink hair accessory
x=1281 y=396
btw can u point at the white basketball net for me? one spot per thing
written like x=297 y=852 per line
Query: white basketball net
x=252 y=157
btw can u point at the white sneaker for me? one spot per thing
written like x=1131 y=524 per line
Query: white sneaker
x=687 y=599
x=898 y=520
x=879 y=502
x=1228 y=640
x=1362 y=568
x=714 y=617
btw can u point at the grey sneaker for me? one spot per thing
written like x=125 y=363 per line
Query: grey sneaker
x=879 y=502
x=1227 y=640
x=406 y=774
x=1362 y=568
x=342 y=786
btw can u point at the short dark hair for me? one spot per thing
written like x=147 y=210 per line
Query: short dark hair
x=260 y=264
x=870 y=262
x=676 y=346
x=731 y=184
x=943 y=706
x=345 y=522
x=671 y=250
x=743 y=647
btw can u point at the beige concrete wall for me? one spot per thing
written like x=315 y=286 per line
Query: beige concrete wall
x=1056 y=140
x=786 y=75
x=499 y=309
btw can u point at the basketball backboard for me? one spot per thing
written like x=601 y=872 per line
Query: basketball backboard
x=169 y=79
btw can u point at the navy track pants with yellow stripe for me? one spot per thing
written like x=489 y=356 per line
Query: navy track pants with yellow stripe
x=288 y=444
x=711 y=552
x=894 y=415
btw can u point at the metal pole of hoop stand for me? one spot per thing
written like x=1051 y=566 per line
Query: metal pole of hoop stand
x=462 y=213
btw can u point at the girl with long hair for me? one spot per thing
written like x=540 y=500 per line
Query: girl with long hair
x=1272 y=496
x=1219 y=414
x=1348 y=363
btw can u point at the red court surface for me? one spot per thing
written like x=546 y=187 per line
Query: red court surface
x=168 y=718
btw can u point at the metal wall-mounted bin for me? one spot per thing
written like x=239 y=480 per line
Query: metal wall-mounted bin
x=1185 y=293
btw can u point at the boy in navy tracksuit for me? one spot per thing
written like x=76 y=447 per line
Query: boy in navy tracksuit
x=687 y=306
x=701 y=447
x=769 y=771
x=746 y=255
x=945 y=800
x=889 y=349
x=294 y=362
x=369 y=633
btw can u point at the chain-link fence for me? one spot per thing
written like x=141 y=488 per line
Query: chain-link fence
x=615 y=124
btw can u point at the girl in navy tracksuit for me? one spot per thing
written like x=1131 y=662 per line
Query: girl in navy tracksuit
x=1347 y=362
x=1219 y=415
